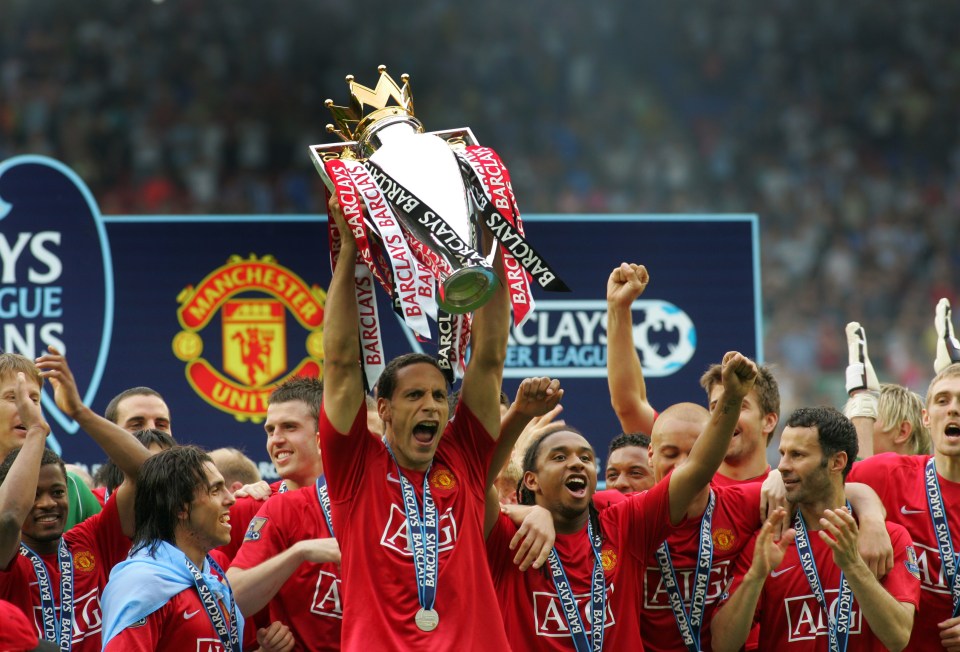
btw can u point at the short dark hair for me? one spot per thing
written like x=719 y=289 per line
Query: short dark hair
x=524 y=495
x=109 y=474
x=48 y=457
x=625 y=439
x=835 y=432
x=113 y=407
x=388 y=379
x=766 y=387
x=167 y=484
x=306 y=389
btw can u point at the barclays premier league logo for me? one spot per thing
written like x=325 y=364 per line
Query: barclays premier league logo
x=568 y=339
x=56 y=277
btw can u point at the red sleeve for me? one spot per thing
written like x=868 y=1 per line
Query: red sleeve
x=467 y=445
x=499 y=555
x=345 y=455
x=901 y=582
x=607 y=498
x=102 y=533
x=874 y=471
x=140 y=638
x=641 y=522
x=276 y=534
x=241 y=513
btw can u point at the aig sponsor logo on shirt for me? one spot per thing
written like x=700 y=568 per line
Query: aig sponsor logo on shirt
x=806 y=620
x=395 y=534
x=548 y=612
x=209 y=645
x=87 y=617
x=326 y=597
x=565 y=339
x=930 y=569
x=655 y=596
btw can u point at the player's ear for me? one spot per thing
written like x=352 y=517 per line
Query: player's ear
x=531 y=482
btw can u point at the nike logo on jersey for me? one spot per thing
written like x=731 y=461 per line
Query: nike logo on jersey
x=188 y=616
x=778 y=573
x=392 y=478
x=906 y=512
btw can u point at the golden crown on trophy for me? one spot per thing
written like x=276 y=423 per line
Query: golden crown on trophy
x=352 y=125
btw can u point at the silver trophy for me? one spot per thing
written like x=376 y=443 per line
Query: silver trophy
x=420 y=176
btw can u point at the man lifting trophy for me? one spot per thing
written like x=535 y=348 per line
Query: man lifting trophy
x=419 y=204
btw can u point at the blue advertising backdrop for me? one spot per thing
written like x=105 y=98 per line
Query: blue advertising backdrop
x=212 y=311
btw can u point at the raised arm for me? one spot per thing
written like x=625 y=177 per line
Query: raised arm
x=119 y=445
x=863 y=389
x=536 y=397
x=488 y=353
x=342 y=375
x=19 y=489
x=738 y=376
x=628 y=391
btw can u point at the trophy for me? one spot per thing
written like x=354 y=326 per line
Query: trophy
x=418 y=204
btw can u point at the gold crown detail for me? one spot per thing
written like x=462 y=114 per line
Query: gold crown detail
x=351 y=122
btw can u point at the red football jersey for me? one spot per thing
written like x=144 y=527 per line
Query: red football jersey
x=532 y=612
x=180 y=625
x=377 y=562
x=97 y=545
x=899 y=481
x=788 y=613
x=736 y=518
x=310 y=602
x=241 y=513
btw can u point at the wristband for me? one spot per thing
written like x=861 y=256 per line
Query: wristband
x=864 y=404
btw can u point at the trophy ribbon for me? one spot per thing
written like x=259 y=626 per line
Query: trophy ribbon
x=371 y=342
x=412 y=293
x=487 y=168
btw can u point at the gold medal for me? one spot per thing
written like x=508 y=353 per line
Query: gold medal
x=427 y=619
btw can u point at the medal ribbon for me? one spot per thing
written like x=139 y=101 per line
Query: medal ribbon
x=56 y=628
x=838 y=627
x=568 y=602
x=938 y=514
x=229 y=636
x=324 y=499
x=690 y=623
x=424 y=533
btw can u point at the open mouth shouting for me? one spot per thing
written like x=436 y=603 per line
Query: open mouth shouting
x=425 y=432
x=576 y=485
x=952 y=431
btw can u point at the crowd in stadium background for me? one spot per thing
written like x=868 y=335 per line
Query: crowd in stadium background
x=834 y=122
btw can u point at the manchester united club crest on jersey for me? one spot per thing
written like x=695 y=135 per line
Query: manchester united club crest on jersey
x=252 y=299
x=723 y=538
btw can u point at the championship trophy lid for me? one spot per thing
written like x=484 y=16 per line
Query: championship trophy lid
x=362 y=133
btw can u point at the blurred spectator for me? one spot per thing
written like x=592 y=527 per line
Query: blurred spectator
x=834 y=122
